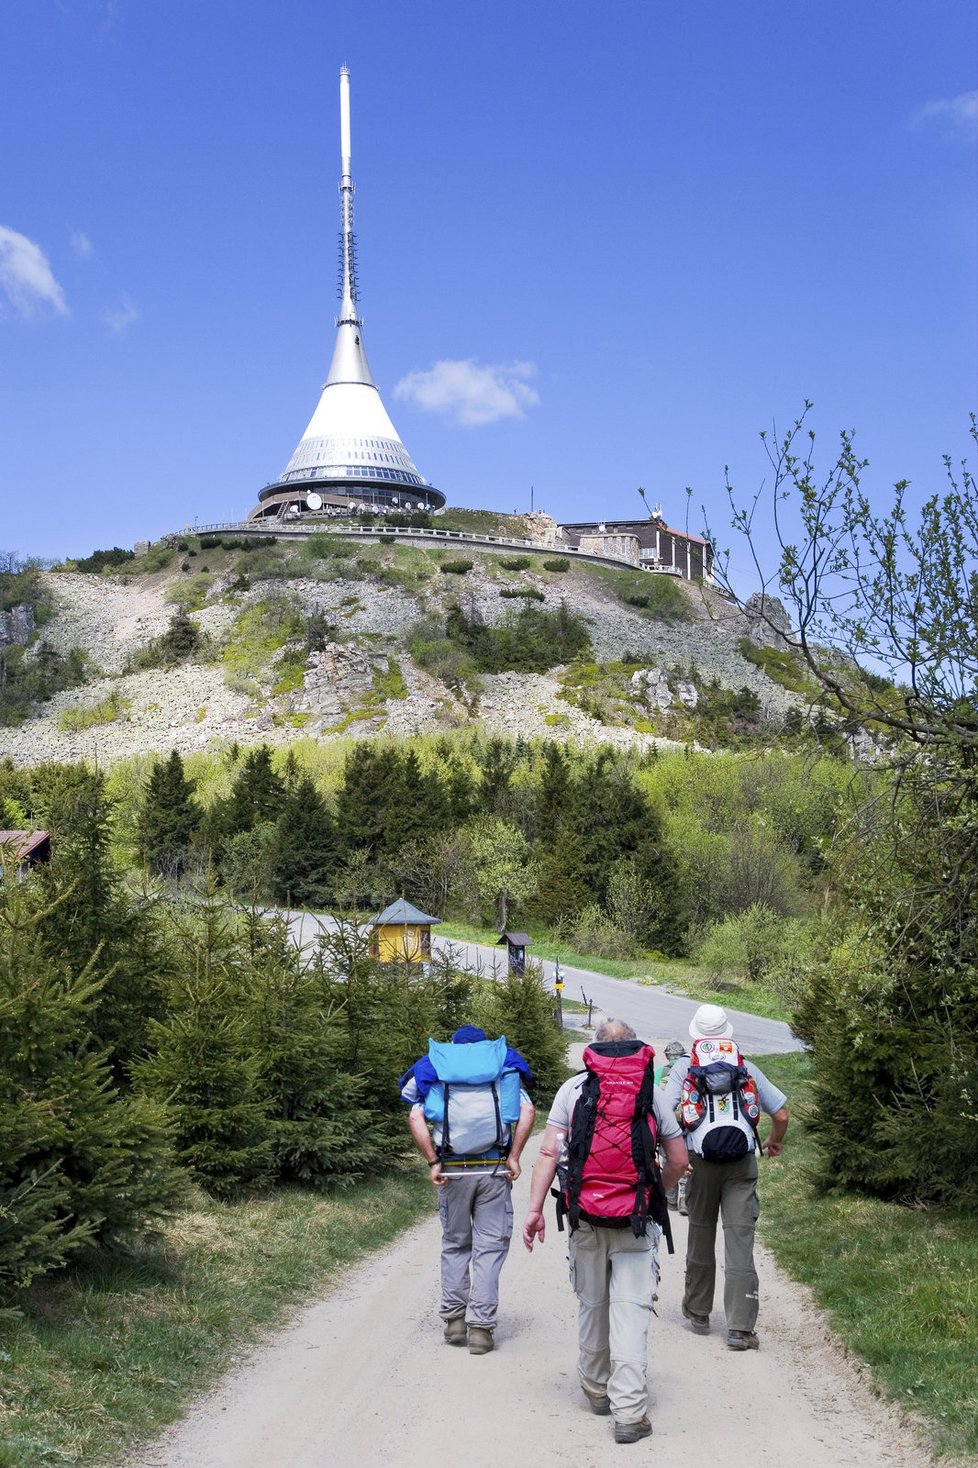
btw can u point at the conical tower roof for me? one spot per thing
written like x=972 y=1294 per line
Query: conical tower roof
x=350 y=453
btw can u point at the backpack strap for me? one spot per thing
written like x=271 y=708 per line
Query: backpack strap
x=579 y=1142
x=650 y=1196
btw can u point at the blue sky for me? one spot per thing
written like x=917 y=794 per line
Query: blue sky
x=600 y=246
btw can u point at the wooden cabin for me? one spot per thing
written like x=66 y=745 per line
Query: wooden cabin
x=402 y=934
x=25 y=848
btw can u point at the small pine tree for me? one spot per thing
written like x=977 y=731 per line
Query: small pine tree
x=78 y=1163
x=520 y=1008
x=168 y=818
x=319 y=1129
x=204 y=1066
x=304 y=850
x=87 y=917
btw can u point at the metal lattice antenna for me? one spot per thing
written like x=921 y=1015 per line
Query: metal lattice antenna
x=348 y=243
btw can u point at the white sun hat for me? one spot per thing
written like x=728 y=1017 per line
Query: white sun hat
x=710 y=1022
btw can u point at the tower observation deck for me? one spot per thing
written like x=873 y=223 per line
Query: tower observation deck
x=350 y=457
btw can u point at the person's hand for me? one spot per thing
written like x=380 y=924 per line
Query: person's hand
x=436 y=1176
x=513 y=1169
x=771 y=1148
x=534 y=1228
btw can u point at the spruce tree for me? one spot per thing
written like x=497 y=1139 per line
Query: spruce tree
x=256 y=798
x=79 y=1164
x=319 y=1129
x=521 y=1008
x=304 y=856
x=168 y=818
x=89 y=919
x=204 y=1065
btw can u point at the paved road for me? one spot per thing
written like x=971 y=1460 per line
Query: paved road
x=654 y=1012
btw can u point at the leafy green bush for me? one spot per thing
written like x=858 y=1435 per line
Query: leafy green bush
x=456 y=568
x=557 y=563
x=515 y=563
x=781 y=665
x=157 y=558
x=522 y=593
x=181 y=641
x=108 y=710
x=323 y=547
x=533 y=640
x=192 y=593
x=101 y=559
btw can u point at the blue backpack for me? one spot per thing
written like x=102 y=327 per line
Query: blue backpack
x=471 y=1096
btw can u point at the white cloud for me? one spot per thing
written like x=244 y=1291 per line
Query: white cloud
x=26 y=276
x=471 y=394
x=957 y=115
x=81 y=244
x=120 y=320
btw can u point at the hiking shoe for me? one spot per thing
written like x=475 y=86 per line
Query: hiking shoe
x=455 y=1331
x=480 y=1340
x=700 y=1324
x=631 y=1432
x=600 y=1406
x=742 y=1340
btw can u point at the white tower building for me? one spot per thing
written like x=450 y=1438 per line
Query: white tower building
x=350 y=456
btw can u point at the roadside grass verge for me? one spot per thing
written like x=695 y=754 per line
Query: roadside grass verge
x=678 y=974
x=900 y=1284
x=109 y=1353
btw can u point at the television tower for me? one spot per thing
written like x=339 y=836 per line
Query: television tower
x=350 y=456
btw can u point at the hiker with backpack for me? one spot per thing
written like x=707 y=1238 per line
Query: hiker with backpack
x=470 y=1118
x=675 y=1049
x=601 y=1138
x=718 y=1098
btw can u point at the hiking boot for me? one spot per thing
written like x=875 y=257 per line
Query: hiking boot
x=600 y=1406
x=455 y=1331
x=699 y=1324
x=631 y=1432
x=742 y=1340
x=480 y=1340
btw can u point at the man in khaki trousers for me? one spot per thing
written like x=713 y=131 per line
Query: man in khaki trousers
x=724 y=1190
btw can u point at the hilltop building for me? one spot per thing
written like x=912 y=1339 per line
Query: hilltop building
x=649 y=542
x=350 y=456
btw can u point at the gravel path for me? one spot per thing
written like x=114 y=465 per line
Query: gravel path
x=362 y=1379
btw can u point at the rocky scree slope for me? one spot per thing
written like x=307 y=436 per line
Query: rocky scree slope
x=359 y=679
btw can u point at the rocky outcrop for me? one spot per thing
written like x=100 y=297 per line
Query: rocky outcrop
x=651 y=686
x=17 y=626
x=768 y=624
x=337 y=680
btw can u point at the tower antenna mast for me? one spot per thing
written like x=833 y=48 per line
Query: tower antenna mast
x=348 y=242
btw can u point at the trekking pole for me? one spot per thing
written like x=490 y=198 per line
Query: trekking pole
x=558 y=991
x=590 y=1005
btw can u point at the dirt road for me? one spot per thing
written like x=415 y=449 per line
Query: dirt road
x=362 y=1380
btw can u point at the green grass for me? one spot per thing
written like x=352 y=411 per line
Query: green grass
x=678 y=974
x=900 y=1284
x=107 y=711
x=110 y=1353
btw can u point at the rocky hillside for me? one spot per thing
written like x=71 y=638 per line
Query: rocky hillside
x=205 y=643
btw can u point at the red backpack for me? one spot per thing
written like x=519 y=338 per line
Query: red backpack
x=720 y=1107
x=611 y=1176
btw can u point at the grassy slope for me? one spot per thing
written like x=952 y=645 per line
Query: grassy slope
x=109 y=1353
x=900 y=1284
x=680 y=975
